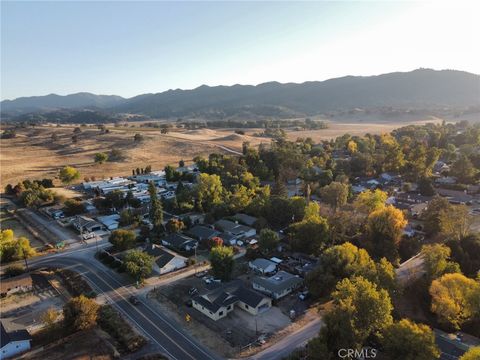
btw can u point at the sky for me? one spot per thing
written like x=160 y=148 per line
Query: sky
x=130 y=48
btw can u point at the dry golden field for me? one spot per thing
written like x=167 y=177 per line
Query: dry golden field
x=34 y=155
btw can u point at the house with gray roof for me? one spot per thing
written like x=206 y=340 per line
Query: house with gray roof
x=218 y=303
x=235 y=229
x=13 y=343
x=202 y=233
x=245 y=219
x=180 y=242
x=165 y=261
x=262 y=266
x=278 y=285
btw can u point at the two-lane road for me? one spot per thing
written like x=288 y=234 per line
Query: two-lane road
x=164 y=332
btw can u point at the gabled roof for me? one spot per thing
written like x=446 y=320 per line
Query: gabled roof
x=202 y=232
x=263 y=263
x=161 y=255
x=8 y=337
x=246 y=219
x=179 y=240
x=278 y=282
x=229 y=294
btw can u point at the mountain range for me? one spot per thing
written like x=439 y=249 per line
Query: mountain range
x=417 y=89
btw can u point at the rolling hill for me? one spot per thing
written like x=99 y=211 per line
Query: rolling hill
x=419 y=89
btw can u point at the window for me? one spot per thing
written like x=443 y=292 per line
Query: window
x=229 y=307
x=246 y=306
x=220 y=313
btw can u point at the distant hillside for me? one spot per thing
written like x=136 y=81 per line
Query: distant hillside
x=54 y=102
x=421 y=89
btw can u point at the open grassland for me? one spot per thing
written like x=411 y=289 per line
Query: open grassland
x=34 y=155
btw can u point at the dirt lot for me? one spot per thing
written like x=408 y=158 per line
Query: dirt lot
x=34 y=155
x=87 y=345
x=25 y=310
x=9 y=221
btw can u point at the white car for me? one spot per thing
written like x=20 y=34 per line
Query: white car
x=87 y=236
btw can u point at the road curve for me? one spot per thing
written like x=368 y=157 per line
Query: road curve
x=164 y=332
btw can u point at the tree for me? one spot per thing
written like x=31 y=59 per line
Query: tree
x=472 y=354
x=101 y=157
x=425 y=187
x=455 y=299
x=268 y=240
x=431 y=215
x=54 y=137
x=360 y=310
x=466 y=252
x=77 y=130
x=454 y=221
x=385 y=228
x=406 y=340
x=221 y=259
x=138 y=264
x=370 y=200
x=49 y=317
x=138 y=137
x=68 y=174
x=335 y=194
x=175 y=225
x=73 y=207
x=80 y=313
x=436 y=262
x=115 y=199
x=156 y=209
x=122 y=239
x=309 y=235
x=463 y=169
x=339 y=262
x=209 y=191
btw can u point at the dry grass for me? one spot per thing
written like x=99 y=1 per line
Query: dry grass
x=33 y=154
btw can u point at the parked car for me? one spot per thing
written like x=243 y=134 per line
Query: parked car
x=133 y=299
x=304 y=295
x=87 y=236
x=201 y=274
x=208 y=279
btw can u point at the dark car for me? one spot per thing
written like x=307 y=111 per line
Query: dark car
x=134 y=300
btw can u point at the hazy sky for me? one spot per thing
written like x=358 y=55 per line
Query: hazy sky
x=129 y=48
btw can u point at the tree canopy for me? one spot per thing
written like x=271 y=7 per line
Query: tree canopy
x=68 y=174
x=221 y=259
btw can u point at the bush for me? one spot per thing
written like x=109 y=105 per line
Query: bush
x=111 y=322
x=14 y=270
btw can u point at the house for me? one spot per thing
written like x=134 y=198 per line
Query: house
x=15 y=284
x=278 y=285
x=202 y=233
x=245 y=219
x=55 y=212
x=13 y=343
x=262 y=266
x=111 y=222
x=446 y=180
x=219 y=302
x=86 y=224
x=165 y=261
x=235 y=229
x=456 y=196
x=180 y=242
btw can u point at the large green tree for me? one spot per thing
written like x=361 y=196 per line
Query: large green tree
x=436 y=261
x=455 y=299
x=335 y=194
x=138 y=264
x=209 y=191
x=156 y=209
x=80 y=313
x=122 y=239
x=406 y=340
x=268 y=240
x=221 y=259
x=68 y=174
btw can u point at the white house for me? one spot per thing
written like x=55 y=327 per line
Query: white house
x=165 y=260
x=13 y=343
x=218 y=303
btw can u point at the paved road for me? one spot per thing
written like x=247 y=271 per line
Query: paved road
x=163 y=331
x=288 y=344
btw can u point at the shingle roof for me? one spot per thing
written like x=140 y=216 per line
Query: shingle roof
x=202 y=232
x=229 y=294
x=178 y=240
x=246 y=219
x=162 y=256
x=263 y=263
x=8 y=337
x=278 y=282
